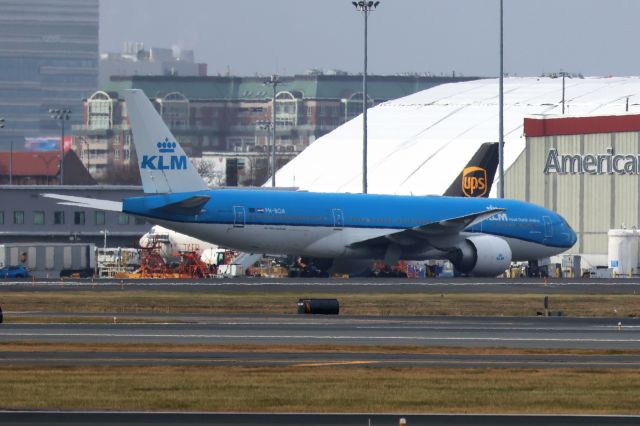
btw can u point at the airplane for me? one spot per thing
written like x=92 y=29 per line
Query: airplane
x=171 y=243
x=480 y=236
x=475 y=180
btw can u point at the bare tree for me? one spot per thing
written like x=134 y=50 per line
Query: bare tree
x=207 y=170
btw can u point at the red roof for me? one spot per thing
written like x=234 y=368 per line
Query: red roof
x=30 y=163
x=553 y=126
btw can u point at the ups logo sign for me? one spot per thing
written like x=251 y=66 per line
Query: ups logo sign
x=474 y=181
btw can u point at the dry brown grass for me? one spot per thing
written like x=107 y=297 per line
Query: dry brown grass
x=125 y=301
x=322 y=389
x=307 y=348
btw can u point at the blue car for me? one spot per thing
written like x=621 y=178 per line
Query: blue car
x=14 y=272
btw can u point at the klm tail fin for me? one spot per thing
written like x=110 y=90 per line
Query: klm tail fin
x=477 y=177
x=164 y=167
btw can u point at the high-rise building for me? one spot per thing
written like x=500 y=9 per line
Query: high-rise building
x=136 y=60
x=48 y=59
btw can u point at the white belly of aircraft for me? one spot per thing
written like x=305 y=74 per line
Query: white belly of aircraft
x=316 y=241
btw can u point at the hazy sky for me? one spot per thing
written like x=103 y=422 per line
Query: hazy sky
x=594 y=37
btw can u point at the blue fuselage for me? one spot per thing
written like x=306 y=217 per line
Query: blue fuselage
x=314 y=223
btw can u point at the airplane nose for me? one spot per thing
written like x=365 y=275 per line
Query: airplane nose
x=572 y=236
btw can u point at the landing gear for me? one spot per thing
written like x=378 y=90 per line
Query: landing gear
x=310 y=268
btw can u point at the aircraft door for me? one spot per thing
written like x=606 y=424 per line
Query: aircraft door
x=239 y=216
x=338 y=219
x=548 y=229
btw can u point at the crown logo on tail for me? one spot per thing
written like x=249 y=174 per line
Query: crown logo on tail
x=166 y=146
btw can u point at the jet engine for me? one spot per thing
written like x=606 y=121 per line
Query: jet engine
x=482 y=256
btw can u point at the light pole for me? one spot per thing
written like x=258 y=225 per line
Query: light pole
x=365 y=7
x=267 y=125
x=88 y=151
x=61 y=115
x=273 y=81
x=11 y=154
x=501 y=112
x=563 y=76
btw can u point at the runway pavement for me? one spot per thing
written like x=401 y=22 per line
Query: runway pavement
x=294 y=419
x=338 y=286
x=510 y=332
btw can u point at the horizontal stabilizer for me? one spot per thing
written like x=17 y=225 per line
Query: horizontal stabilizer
x=192 y=206
x=89 y=203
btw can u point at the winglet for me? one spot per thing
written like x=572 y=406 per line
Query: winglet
x=164 y=166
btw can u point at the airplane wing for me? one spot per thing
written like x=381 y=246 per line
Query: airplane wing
x=89 y=203
x=437 y=233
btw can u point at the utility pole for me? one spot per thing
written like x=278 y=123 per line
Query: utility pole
x=61 y=115
x=365 y=7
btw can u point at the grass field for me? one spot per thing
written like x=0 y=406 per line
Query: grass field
x=317 y=348
x=318 y=388
x=322 y=389
x=131 y=301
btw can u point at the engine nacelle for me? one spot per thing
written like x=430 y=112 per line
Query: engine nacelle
x=482 y=256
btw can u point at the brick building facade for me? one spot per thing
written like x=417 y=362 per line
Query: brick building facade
x=231 y=114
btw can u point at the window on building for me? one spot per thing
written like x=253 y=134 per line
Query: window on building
x=127 y=155
x=18 y=217
x=100 y=218
x=116 y=154
x=123 y=219
x=139 y=220
x=174 y=109
x=1 y=218
x=78 y=218
x=38 y=217
x=58 y=218
x=99 y=111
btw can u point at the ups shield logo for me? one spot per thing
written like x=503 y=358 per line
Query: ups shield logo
x=474 y=181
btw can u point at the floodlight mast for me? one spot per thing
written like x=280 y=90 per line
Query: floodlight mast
x=365 y=7
x=61 y=115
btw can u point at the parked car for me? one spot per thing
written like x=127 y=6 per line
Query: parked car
x=14 y=272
